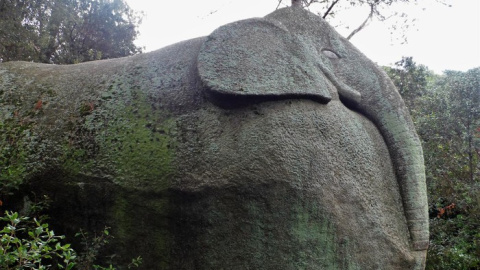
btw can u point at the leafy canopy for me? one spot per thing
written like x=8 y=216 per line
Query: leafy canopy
x=446 y=112
x=67 y=31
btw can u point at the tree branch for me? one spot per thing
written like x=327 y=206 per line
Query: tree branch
x=279 y=2
x=308 y=3
x=330 y=8
x=364 y=22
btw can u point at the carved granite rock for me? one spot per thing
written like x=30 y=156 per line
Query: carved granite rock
x=271 y=144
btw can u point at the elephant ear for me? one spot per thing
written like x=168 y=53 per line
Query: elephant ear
x=257 y=57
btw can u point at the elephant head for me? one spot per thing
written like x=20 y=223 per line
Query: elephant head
x=293 y=53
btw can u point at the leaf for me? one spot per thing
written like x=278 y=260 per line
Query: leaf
x=70 y=266
x=38 y=230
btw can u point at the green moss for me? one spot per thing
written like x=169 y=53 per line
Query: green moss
x=112 y=129
x=75 y=161
x=317 y=234
x=139 y=145
x=142 y=155
x=123 y=223
x=13 y=154
x=26 y=145
x=86 y=108
x=134 y=210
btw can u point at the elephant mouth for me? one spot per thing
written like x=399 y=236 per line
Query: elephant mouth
x=229 y=101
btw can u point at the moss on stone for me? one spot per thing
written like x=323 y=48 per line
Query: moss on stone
x=75 y=161
x=12 y=154
x=132 y=211
x=135 y=141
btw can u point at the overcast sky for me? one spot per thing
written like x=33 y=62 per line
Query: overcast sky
x=442 y=38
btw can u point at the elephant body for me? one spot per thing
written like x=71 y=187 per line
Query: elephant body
x=216 y=153
x=291 y=184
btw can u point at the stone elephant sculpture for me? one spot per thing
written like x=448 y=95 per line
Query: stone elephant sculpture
x=272 y=143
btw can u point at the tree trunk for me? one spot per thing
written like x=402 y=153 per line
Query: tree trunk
x=296 y=3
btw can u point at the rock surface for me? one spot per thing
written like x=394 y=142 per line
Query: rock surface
x=190 y=176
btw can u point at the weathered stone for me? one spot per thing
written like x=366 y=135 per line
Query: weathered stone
x=271 y=144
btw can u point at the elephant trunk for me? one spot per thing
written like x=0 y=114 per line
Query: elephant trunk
x=345 y=91
x=387 y=110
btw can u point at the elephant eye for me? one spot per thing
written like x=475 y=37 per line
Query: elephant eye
x=330 y=54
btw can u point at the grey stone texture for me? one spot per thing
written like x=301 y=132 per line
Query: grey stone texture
x=273 y=143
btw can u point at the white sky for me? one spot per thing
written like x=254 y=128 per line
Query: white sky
x=443 y=37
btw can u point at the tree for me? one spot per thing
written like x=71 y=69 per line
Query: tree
x=375 y=9
x=464 y=109
x=16 y=34
x=66 y=31
x=447 y=119
x=296 y=2
x=410 y=79
x=446 y=112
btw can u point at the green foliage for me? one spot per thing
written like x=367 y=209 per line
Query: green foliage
x=66 y=31
x=446 y=113
x=32 y=245
x=410 y=79
x=448 y=121
x=91 y=248
x=26 y=244
x=455 y=244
